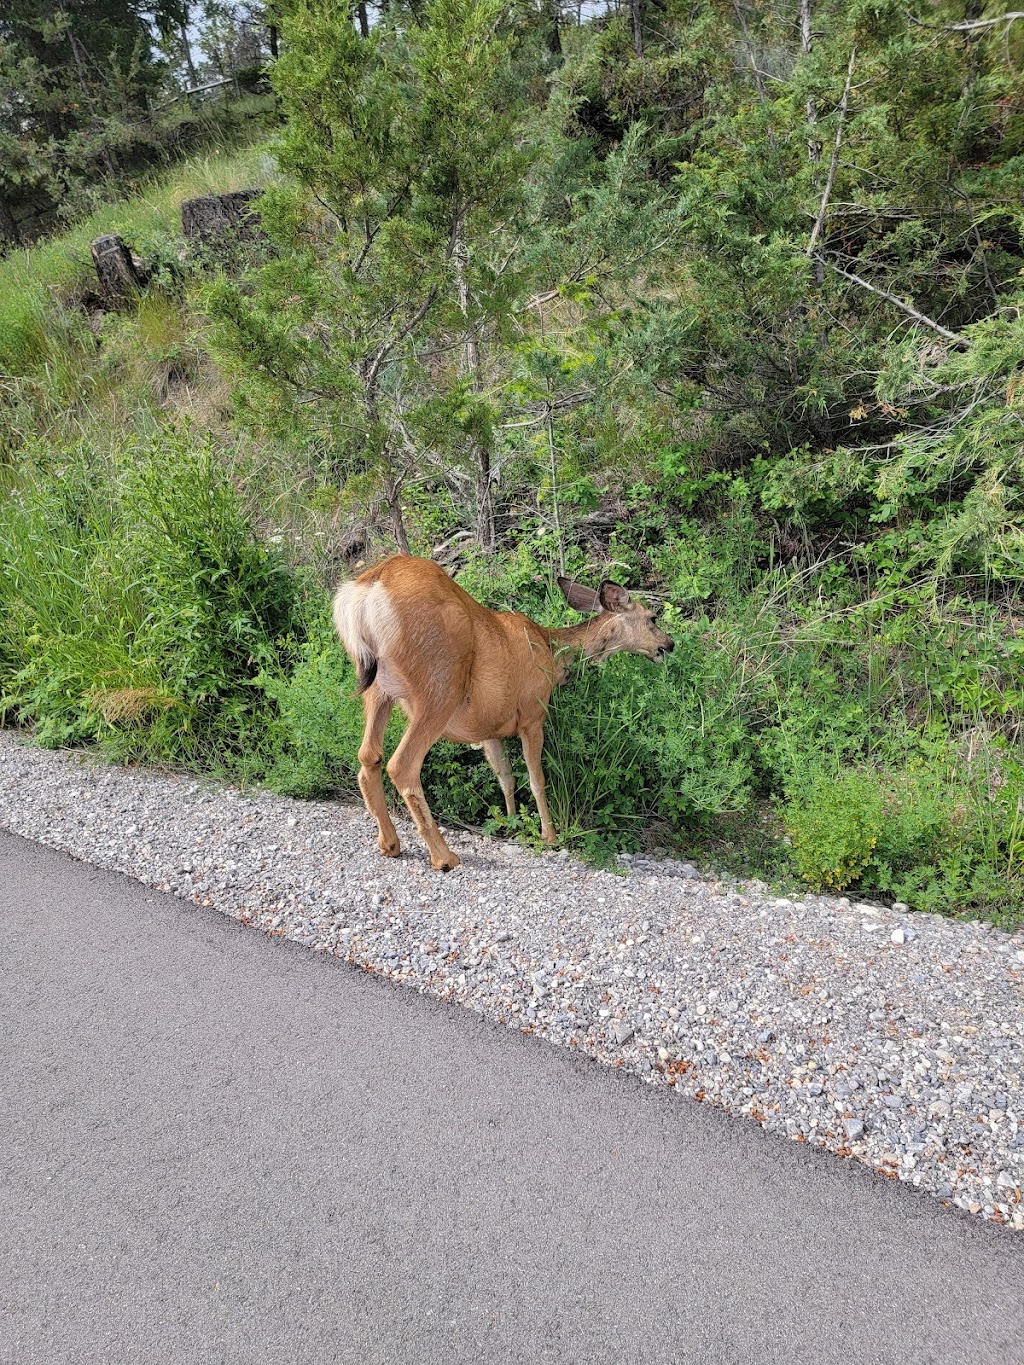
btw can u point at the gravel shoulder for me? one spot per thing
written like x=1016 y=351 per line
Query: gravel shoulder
x=893 y=1039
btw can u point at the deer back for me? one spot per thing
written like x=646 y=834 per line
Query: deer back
x=429 y=645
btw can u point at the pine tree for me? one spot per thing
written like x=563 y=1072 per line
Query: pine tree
x=402 y=141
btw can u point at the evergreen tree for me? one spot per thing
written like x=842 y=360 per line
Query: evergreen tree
x=403 y=143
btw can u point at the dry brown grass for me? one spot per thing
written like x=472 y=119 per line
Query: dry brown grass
x=123 y=705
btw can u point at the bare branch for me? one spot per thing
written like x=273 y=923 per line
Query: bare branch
x=539 y=300
x=969 y=25
x=820 y=220
x=898 y=303
x=554 y=405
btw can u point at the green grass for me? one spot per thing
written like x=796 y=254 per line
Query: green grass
x=36 y=331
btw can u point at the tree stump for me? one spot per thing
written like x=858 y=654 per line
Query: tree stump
x=9 y=235
x=218 y=222
x=116 y=269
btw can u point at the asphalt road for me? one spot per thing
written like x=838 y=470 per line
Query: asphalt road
x=219 y=1148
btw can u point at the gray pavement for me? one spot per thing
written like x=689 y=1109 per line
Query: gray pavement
x=219 y=1148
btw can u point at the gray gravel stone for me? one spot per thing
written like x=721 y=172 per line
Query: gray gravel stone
x=781 y=1010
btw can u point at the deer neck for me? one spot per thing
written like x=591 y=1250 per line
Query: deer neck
x=592 y=640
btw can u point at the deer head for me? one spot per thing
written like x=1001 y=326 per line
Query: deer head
x=618 y=624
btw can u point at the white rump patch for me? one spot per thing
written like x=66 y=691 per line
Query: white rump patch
x=365 y=620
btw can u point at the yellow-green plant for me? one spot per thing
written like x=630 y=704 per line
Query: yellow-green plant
x=835 y=827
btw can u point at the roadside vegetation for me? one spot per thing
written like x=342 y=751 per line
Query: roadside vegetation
x=720 y=301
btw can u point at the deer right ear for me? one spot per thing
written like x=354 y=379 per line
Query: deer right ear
x=612 y=596
x=580 y=598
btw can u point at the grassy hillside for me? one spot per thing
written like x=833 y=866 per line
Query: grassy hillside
x=40 y=285
x=605 y=347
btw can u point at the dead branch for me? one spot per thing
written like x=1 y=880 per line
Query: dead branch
x=898 y=303
x=969 y=25
x=820 y=220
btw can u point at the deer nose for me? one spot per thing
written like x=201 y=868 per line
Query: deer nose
x=668 y=646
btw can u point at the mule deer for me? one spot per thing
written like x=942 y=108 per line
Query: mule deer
x=462 y=672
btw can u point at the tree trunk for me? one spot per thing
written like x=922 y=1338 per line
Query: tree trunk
x=393 y=498
x=186 y=48
x=813 y=145
x=364 y=20
x=392 y=479
x=807 y=47
x=552 y=33
x=272 y=35
x=637 y=22
x=486 y=532
x=479 y=446
x=119 y=279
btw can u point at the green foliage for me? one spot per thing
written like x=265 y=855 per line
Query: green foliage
x=317 y=725
x=834 y=829
x=937 y=833
x=89 y=102
x=539 y=303
x=139 y=609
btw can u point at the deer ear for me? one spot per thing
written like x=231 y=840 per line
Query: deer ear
x=579 y=598
x=613 y=597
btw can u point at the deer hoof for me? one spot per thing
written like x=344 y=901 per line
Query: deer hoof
x=391 y=848
x=446 y=863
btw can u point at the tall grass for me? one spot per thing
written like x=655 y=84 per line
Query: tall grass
x=138 y=609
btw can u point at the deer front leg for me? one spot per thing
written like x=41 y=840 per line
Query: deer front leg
x=533 y=743
x=404 y=771
x=494 y=751
x=371 y=757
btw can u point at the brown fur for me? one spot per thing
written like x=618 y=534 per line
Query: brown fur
x=462 y=672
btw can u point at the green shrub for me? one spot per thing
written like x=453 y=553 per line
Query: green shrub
x=938 y=834
x=834 y=827
x=953 y=835
x=139 y=606
x=317 y=725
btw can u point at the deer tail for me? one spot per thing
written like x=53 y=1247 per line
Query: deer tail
x=366 y=671
x=360 y=611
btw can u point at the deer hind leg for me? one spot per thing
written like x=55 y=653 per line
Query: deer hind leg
x=533 y=743
x=404 y=770
x=371 y=758
x=494 y=751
